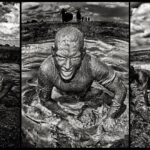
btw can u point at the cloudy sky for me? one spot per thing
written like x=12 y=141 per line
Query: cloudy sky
x=140 y=27
x=9 y=23
x=112 y=11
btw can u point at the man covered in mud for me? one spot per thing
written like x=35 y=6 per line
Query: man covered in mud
x=72 y=71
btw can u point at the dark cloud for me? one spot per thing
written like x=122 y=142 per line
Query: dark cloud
x=135 y=4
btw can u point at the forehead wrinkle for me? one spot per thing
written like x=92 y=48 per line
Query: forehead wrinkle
x=69 y=38
x=66 y=44
x=68 y=52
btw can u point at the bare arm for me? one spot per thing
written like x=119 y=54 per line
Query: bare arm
x=105 y=76
x=120 y=91
x=44 y=90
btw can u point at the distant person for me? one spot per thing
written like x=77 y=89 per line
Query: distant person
x=86 y=19
x=78 y=15
x=66 y=16
x=82 y=19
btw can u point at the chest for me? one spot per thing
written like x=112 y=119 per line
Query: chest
x=80 y=83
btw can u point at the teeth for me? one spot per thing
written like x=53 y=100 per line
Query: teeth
x=66 y=73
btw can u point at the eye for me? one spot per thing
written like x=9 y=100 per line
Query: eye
x=60 y=58
x=75 y=58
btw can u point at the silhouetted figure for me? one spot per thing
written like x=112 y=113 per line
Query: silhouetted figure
x=88 y=18
x=78 y=15
x=82 y=19
x=66 y=16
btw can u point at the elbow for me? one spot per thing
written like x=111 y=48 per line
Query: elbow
x=123 y=93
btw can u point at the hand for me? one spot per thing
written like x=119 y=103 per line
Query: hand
x=109 y=124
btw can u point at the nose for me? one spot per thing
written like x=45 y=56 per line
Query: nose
x=68 y=64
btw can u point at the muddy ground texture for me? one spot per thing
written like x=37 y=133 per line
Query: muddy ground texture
x=10 y=109
x=139 y=112
x=139 y=119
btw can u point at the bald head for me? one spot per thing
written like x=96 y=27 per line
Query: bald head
x=69 y=38
x=68 y=52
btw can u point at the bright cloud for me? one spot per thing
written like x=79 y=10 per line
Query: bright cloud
x=140 y=21
x=10 y=22
x=109 y=4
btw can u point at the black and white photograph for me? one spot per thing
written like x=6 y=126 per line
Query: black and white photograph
x=75 y=74
x=140 y=75
x=10 y=74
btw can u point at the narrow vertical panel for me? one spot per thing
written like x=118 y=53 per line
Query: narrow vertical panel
x=10 y=74
x=140 y=75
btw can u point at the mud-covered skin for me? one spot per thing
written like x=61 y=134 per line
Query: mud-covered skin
x=90 y=70
x=72 y=72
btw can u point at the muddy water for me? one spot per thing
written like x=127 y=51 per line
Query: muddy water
x=115 y=54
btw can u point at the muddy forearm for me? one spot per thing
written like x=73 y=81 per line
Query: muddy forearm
x=120 y=92
x=44 y=95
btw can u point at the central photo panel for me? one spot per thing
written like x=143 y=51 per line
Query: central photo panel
x=75 y=74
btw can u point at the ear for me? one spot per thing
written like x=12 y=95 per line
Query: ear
x=53 y=51
x=83 y=52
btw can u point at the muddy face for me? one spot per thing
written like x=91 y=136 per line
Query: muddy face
x=68 y=62
x=68 y=43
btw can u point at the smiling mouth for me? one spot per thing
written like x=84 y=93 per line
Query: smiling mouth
x=66 y=74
